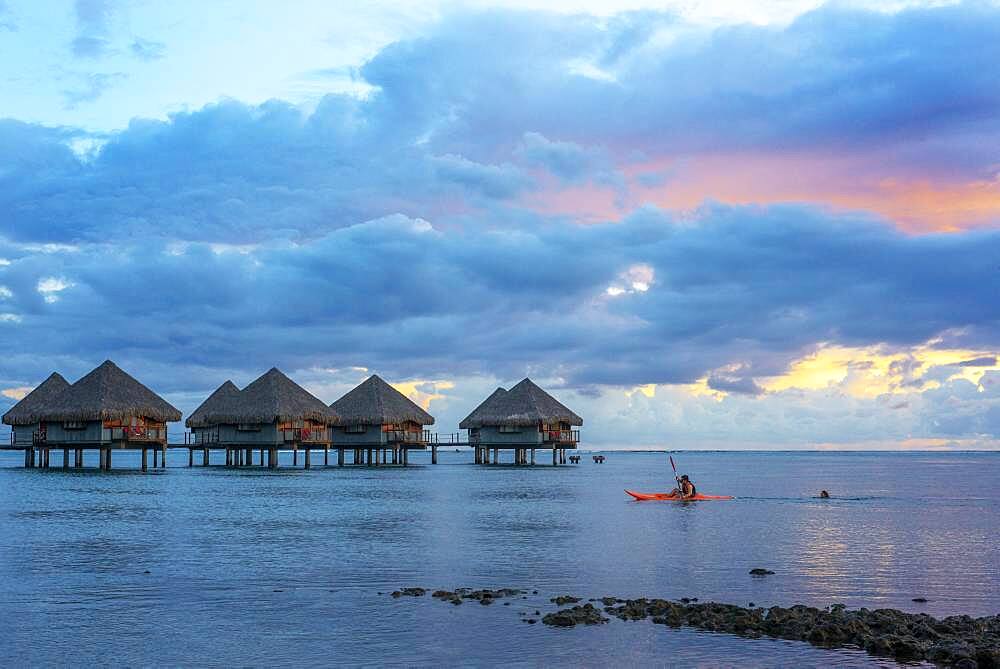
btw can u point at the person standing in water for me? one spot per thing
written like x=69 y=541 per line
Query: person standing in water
x=687 y=489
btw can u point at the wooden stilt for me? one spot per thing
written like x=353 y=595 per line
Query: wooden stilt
x=27 y=458
x=326 y=456
x=144 y=458
x=340 y=457
x=434 y=454
x=156 y=458
x=204 y=457
x=107 y=460
x=369 y=463
x=65 y=458
x=532 y=456
x=308 y=454
x=555 y=457
x=190 y=457
x=295 y=455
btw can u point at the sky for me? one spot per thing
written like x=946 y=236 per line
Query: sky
x=698 y=224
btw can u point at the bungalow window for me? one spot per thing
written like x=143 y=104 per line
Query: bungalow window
x=248 y=427
x=509 y=428
x=73 y=425
x=355 y=429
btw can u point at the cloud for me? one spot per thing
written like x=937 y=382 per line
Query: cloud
x=92 y=86
x=985 y=361
x=734 y=384
x=6 y=22
x=92 y=19
x=147 y=50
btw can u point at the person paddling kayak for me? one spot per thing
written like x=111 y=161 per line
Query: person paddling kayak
x=687 y=489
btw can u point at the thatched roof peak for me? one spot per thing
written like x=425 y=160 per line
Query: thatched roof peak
x=525 y=404
x=218 y=403
x=375 y=402
x=36 y=400
x=271 y=398
x=106 y=393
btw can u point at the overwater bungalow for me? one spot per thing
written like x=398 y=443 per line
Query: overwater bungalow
x=272 y=413
x=380 y=424
x=105 y=410
x=23 y=417
x=522 y=419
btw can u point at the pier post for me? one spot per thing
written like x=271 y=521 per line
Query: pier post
x=308 y=453
x=434 y=454
x=27 y=458
x=369 y=457
x=144 y=458
x=326 y=456
x=107 y=460
x=496 y=456
x=190 y=457
x=204 y=457
x=65 y=458
x=155 y=458
x=555 y=457
x=274 y=458
x=532 y=456
x=295 y=456
x=340 y=457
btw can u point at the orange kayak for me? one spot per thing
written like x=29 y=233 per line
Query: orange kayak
x=670 y=497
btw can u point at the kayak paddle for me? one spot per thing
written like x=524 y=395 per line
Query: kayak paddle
x=680 y=488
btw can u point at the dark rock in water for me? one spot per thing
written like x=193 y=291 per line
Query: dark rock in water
x=578 y=615
x=956 y=641
x=379 y=593
x=396 y=594
x=759 y=571
x=562 y=600
x=685 y=600
x=750 y=605
x=506 y=603
x=919 y=600
x=411 y=592
x=146 y=572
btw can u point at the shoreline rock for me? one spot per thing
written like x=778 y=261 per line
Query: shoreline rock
x=957 y=641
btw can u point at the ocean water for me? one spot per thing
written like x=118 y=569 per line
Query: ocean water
x=253 y=567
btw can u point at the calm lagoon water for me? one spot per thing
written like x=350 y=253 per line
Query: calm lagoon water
x=251 y=567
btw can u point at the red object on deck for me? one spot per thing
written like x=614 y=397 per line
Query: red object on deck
x=670 y=497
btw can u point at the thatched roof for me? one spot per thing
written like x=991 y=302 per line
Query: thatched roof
x=375 y=402
x=218 y=403
x=106 y=393
x=272 y=398
x=481 y=413
x=524 y=404
x=35 y=401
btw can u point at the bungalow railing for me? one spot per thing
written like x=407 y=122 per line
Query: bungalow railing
x=137 y=433
x=200 y=438
x=108 y=434
x=306 y=435
x=562 y=436
x=408 y=437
